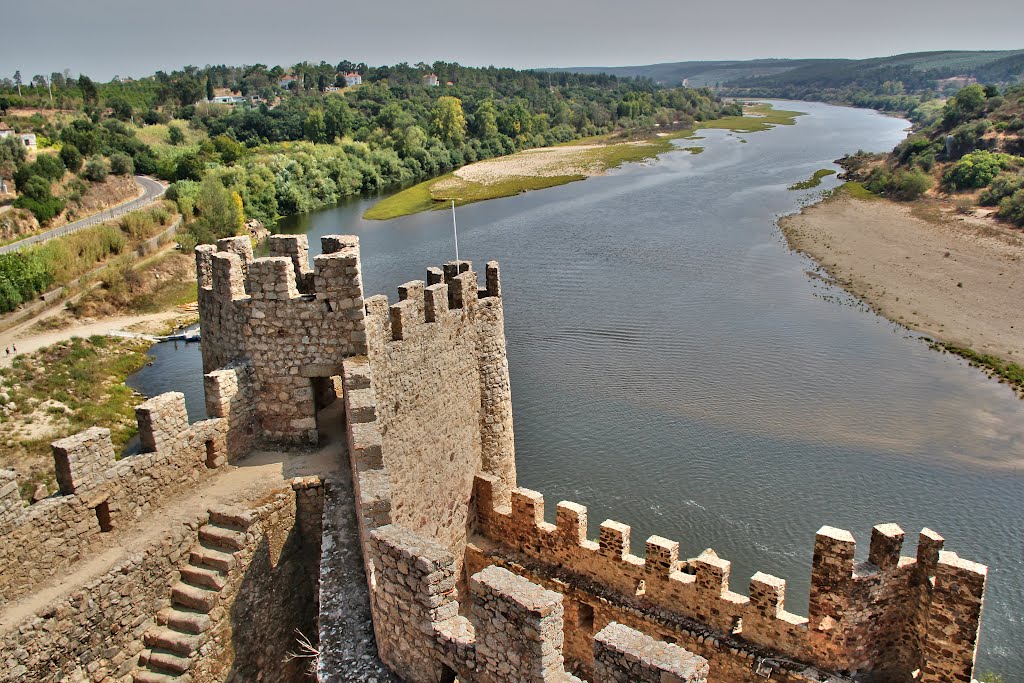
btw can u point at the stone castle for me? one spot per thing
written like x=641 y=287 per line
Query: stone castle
x=412 y=555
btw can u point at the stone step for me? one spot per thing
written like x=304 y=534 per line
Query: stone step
x=145 y=676
x=231 y=518
x=203 y=577
x=219 y=537
x=194 y=597
x=185 y=621
x=211 y=557
x=166 y=639
x=165 y=661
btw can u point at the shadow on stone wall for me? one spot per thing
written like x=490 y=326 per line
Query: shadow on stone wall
x=275 y=603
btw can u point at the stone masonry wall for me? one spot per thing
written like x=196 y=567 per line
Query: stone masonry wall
x=440 y=392
x=289 y=324
x=99 y=494
x=874 y=619
x=97 y=632
x=513 y=633
x=270 y=598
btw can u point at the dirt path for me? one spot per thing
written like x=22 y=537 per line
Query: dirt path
x=957 y=280
x=26 y=339
x=248 y=480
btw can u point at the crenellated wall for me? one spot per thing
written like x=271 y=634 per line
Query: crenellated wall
x=463 y=576
x=292 y=326
x=98 y=493
x=882 y=619
x=513 y=631
x=440 y=396
x=100 y=631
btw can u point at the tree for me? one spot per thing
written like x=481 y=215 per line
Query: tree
x=17 y=81
x=95 y=169
x=36 y=197
x=88 y=89
x=121 y=164
x=174 y=135
x=81 y=134
x=220 y=213
x=121 y=109
x=209 y=88
x=314 y=129
x=449 y=120
x=71 y=157
x=337 y=117
x=485 y=123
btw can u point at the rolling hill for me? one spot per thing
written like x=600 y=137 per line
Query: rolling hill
x=917 y=71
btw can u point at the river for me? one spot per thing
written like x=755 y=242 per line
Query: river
x=677 y=368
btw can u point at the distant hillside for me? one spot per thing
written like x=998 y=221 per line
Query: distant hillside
x=917 y=71
x=699 y=74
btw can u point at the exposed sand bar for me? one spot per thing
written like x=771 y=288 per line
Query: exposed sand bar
x=959 y=281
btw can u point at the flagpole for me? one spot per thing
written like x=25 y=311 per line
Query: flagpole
x=455 y=229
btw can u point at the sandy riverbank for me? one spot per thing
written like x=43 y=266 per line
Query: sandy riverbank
x=958 y=280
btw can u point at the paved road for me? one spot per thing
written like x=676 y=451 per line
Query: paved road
x=152 y=190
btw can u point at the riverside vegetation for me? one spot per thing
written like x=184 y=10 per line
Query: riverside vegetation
x=295 y=149
x=971 y=154
x=565 y=163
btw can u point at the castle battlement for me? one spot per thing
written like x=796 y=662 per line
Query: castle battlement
x=465 y=577
x=861 y=616
x=513 y=630
x=99 y=493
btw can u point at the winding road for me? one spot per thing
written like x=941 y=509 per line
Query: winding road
x=151 y=191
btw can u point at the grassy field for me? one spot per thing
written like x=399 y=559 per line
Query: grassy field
x=599 y=154
x=156 y=136
x=61 y=390
x=856 y=190
x=813 y=181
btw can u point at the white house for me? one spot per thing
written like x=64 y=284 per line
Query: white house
x=430 y=80
x=353 y=79
x=29 y=140
x=5 y=130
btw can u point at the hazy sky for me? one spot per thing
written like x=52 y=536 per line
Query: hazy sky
x=137 y=37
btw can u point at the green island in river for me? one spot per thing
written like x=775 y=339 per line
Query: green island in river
x=544 y=167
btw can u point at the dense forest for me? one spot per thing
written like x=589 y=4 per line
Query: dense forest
x=298 y=139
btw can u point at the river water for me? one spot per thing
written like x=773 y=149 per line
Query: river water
x=677 y=368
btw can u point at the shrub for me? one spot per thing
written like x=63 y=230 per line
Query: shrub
x=36 y=197
x=174 y=135
x=976 y=169
x=121 y=164
x=1004 y=185
x=49 y=166
x=904 y=185
x=95 y=169
x=22 y=276
x=71 y=157
x=909 y=185
x=1012 y=208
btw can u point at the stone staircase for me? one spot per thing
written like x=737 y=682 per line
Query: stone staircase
x=173 y=643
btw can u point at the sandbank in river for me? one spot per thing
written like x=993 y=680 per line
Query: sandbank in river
x=957 y=280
